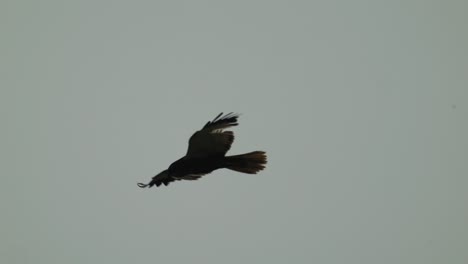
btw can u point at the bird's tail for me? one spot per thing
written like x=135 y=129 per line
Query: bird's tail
x=250 y=163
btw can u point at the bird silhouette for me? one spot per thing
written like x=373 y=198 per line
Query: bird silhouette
x=207 y=152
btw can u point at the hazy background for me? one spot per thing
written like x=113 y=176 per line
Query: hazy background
x=361 y=105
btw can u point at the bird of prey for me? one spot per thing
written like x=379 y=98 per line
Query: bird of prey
x=207 y=152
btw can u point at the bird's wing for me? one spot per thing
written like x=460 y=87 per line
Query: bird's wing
x=164 y=178
x=190 y=177
x=211 y=140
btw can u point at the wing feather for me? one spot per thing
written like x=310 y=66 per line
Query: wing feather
x=218 y=123
x=212 y=140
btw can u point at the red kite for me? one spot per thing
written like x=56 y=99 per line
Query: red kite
x=207 y=152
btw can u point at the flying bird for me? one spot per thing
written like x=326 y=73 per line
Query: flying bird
x=207 y=152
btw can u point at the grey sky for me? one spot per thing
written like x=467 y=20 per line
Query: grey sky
x=361 y=106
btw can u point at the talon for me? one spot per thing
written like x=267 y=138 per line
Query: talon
x=142 y=185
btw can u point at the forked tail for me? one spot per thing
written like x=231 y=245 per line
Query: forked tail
x=250 y=163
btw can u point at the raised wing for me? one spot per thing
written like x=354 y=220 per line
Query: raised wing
x=211 y=140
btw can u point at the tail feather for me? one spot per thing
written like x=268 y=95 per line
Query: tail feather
x=250 y=163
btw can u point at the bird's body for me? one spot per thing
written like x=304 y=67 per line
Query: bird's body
x=207 y=152
x=195 y=166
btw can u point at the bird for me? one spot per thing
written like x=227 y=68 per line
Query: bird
x=207 y=152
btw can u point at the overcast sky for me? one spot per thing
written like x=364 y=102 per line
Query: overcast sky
x=361 y=106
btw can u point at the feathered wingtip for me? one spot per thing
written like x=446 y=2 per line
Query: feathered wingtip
x=221 y=122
